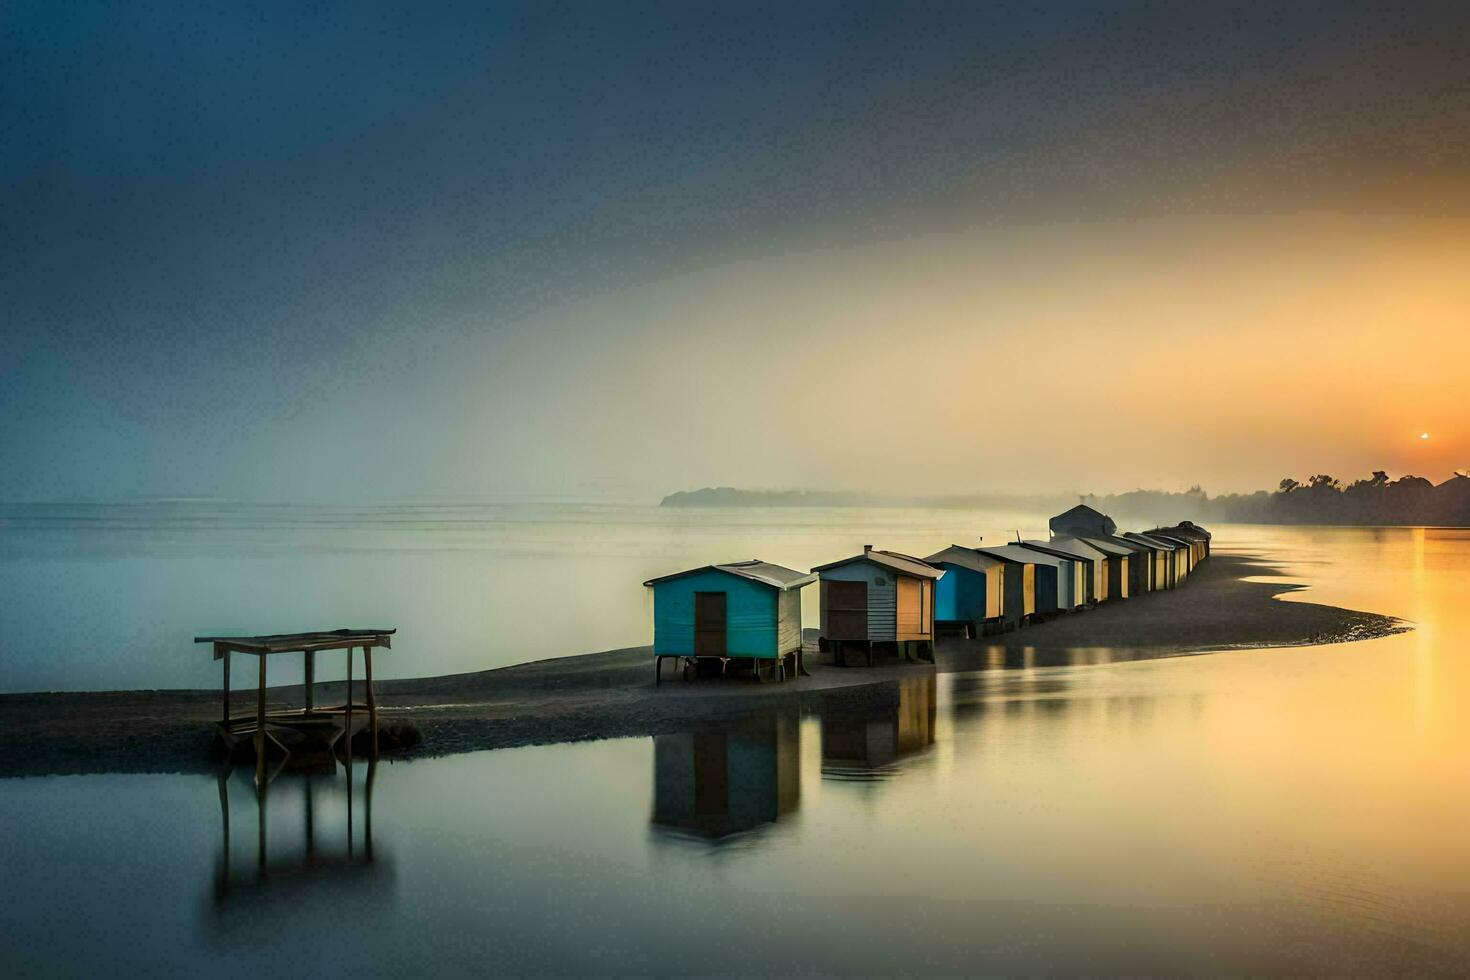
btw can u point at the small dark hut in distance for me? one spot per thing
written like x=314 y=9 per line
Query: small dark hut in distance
x=716 y=614
x=971 y=593
x=878 y=600
x=1082 y=521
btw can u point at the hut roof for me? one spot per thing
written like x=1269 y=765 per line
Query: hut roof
x=776 y=576
x=892 y=560
x=958 y=554
x=1023 y=555
x=302 y=642
x=1188 y=529
x=1110 y=547
x=1073 y=547
x=1137 y=547
x=1150 y=539
x=1173 y=537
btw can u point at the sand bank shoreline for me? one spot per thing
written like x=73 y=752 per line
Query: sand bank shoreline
x=611 y=694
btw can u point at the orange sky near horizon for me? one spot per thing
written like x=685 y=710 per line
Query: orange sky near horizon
x=1224 y=351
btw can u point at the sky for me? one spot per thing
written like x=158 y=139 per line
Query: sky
x=334 y=252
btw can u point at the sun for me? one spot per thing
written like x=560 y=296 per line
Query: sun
x=1423 y=435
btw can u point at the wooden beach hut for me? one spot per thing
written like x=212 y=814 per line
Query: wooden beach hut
x=1043 y=572
x=744 y=610
x=1018 y=588
x=1167 y=560
x=1120 y=565
x=1093 y=565
x=311 y=728
x=971 y=592
x=1157 y=556
x=878 y=599
x=1062 y=597
x=1140 y=567
x=1184 y=552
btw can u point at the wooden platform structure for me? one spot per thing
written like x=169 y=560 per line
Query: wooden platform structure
x=311 y=722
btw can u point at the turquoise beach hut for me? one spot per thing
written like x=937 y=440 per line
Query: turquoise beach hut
x=972 y=591
x=747 y=610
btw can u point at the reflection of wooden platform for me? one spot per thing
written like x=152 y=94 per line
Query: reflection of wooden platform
x=309 y=728
x=280 y=871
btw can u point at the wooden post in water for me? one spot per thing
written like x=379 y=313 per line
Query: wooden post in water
x=225 y=655
x=372 y=701
x=310 y=680
x=260 y=793
x=348 y=723
x=224 y=809
x=367 y=806
x=260 y=726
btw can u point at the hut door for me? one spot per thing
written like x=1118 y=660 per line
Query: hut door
x=847 y=610
x=912 y=606
x=709 y=624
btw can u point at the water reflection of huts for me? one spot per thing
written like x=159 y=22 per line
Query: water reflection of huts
x=726 y=779
x=866 y=736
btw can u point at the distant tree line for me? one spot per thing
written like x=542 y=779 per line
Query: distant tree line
x=1322 y=499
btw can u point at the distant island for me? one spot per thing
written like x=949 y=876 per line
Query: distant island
x=1322 y=499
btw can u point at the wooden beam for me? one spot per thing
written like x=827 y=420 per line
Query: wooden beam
x=225 y=655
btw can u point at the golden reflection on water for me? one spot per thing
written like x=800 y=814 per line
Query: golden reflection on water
x=1261 y=809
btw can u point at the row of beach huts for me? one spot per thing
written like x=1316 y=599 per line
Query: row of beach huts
x=883 y=603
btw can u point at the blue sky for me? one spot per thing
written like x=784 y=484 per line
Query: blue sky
x=249 y=240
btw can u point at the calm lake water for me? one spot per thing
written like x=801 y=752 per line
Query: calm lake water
x=110 y=596
x=1295 y=810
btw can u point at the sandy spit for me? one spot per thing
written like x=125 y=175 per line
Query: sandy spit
x=611 y=694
